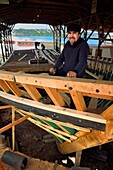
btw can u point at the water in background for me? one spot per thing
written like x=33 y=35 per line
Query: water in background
x=43 y=39
x=46 y=39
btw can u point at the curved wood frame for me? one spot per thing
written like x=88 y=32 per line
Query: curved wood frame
x=93 y=129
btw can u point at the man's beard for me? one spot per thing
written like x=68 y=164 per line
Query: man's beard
x=72 y=40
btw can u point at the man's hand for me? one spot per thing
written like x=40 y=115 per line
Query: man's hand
x=52 y=70
x=71 y=74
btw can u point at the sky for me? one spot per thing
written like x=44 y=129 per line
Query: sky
x=32 y=26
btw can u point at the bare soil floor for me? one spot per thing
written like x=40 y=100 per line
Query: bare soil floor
x=35 y=164
x=34 y=142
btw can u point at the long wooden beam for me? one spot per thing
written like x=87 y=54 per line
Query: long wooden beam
x=95 y=87
x=5 y=107
x=60 y=123
x=79 y=118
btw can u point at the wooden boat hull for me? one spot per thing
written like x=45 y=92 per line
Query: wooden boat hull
x=25 y=44
x=73 y=129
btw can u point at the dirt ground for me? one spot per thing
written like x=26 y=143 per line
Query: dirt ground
x=35 y=143
x=40 y=147
x=34 y=164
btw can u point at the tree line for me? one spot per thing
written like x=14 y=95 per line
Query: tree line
x=32 y=32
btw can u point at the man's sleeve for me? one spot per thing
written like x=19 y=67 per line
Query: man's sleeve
x=82 y=64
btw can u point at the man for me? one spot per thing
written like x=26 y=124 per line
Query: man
x=73 y=60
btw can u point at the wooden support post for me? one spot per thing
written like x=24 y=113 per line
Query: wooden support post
x=32 y=91
x=13 y=128
x=77 y=162
x=55 y=96
x=4 y=86
x=78 y=100
x=14 y=88
x=2 y=52
x=78 y=158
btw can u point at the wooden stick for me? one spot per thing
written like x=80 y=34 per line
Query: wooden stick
x=66 y=98
x=92 y=75
x=69 y=125
x=13 y=129
x=5 y=107
x=22 y=57
x=13 y=124
x=50 y=127
x=46 y=129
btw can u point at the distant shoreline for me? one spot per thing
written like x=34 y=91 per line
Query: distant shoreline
x=48 y=44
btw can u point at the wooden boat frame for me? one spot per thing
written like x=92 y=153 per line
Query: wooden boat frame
x=74 y=130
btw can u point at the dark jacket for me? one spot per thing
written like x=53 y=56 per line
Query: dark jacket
x=74 y=57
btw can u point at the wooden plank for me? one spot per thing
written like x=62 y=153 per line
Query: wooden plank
x=61 y=127
x=4 y=86
x=93 y=61
x=98 y=96
x=5 y=107
x=78 y=100
x=79 y=118
x=3 y=129
x=24 y=93
x=94 y=138
x=110 y=66
x=81 y=133
x=55 y=96
x=69 y=125
x=90 y=94
x=22 y=57
x=66 y=98
x=101 y=60
x=96 y=87
x=97 y=63
x=14 y=88
x=91 y=74
x=108 y=113
x=101 y=64
x=6 y=75
x=105 y=65
x=32 y=91
x=93 y=103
